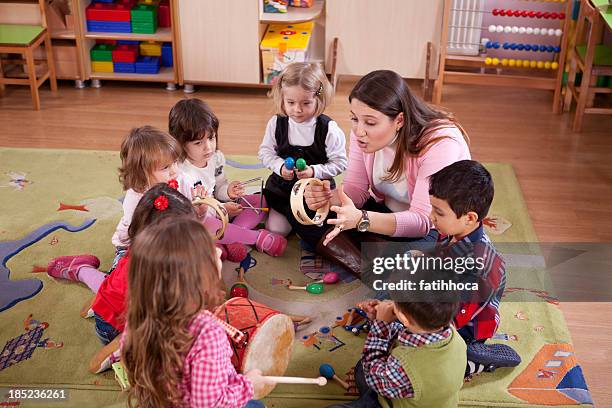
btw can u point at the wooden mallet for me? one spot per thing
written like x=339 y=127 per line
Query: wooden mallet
x=320 y=381
x=328 y=372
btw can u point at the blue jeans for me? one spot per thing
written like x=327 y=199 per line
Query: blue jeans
x=119 y=253
x=105 y=331
x=254 y=404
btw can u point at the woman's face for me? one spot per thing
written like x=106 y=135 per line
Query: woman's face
x=373 y=129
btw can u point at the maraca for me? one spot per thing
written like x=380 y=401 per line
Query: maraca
x=300 y=164
x=314 y=288
x=330 y=278
x=289 y=163
x=328 y=372
x=239 y=290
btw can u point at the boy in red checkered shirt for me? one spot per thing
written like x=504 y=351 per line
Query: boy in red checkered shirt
x=460 y=196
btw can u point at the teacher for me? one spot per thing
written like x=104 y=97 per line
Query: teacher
x=397 y=141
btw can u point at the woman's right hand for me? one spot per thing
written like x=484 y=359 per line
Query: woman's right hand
x=318 y=196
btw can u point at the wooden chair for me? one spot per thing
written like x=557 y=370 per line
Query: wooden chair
x=590 y=58
x=24 y=39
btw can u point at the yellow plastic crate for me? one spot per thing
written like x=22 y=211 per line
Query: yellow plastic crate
x=102 y=66
x=283 y=44
x=150 y=49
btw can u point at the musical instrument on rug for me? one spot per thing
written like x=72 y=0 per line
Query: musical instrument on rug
x=260 y=337
x=219 y=209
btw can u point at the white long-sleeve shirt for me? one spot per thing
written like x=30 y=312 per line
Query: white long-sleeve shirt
x=212 y=177
x=302 y=134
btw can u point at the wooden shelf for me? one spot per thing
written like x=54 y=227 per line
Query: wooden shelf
x=293 y=14
x=166 y=74
x=63 y=35
x=163 y=34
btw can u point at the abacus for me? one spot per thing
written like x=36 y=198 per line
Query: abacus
x=523 y=46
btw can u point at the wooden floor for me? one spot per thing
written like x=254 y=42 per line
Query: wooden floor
x=566 y=177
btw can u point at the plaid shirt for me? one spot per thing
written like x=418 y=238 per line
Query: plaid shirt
x=480 y=317
x=209 y=378
x=383 y=372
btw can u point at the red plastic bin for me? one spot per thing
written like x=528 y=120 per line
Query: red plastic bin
x=163 y=14
x=108 y=12
x=125 y=53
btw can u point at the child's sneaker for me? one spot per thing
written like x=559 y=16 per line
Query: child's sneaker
x=270 y=243
x=492 y=356
x=67 y=267
x=236 y=252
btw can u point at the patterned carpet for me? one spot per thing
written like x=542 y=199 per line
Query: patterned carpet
x=67 y=202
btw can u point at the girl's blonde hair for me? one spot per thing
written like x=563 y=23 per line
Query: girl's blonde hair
x=172 y=277
x=142 y=152
x=310 y=77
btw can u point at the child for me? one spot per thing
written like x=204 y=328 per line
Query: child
x=148 y=157
x=195 y=127
x=109 y=305
x=299 y=130
x=418 y=361
x=460 y=196
x=174 y=352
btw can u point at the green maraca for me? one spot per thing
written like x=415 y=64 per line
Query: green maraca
x=300 y=164
x=314 y=288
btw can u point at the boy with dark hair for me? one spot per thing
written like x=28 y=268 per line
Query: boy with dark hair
x=461 y=195
x=412 y=357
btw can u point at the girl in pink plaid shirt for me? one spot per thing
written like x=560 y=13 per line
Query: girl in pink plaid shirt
x=175 y=354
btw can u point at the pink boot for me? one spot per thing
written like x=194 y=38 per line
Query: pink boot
x=270 y=243
x=67 y=267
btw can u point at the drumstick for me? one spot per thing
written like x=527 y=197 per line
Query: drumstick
x=321 y=381
x=244 y=183
x=264 y=209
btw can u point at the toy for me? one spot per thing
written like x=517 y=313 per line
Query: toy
x=363 y=324
x=328 y=372
x=314 y=288
x=144 y=19
x=283 y=44
x=300 y=164
x=289 y=163
x=239 y=290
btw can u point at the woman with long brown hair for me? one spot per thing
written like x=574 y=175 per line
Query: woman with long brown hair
x=175 y=353
x=397 y=142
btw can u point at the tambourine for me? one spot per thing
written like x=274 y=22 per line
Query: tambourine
x=297 y=203
x=219 y=209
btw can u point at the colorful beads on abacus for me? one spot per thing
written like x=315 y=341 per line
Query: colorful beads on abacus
x=526 y=47
x=525 y=30
x=528 y=13
x=511 y=62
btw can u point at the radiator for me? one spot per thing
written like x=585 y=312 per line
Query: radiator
x=465 y=26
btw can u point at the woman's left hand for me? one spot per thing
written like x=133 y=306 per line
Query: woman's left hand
x=348 y=216
x=235 y=190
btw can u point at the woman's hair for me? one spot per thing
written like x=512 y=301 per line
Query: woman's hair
x=146 y=212
x=385 y=91
x=310 y=77
x=172 y=277
x=144 y=150
x=192 y=119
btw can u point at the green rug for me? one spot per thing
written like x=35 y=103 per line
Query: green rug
x=67 y=202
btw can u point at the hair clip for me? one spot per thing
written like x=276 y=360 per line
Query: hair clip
x=320 y=90
x=173 y=184
x=161 y=203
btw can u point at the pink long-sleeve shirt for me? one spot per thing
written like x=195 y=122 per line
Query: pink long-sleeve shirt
x=414 y=222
